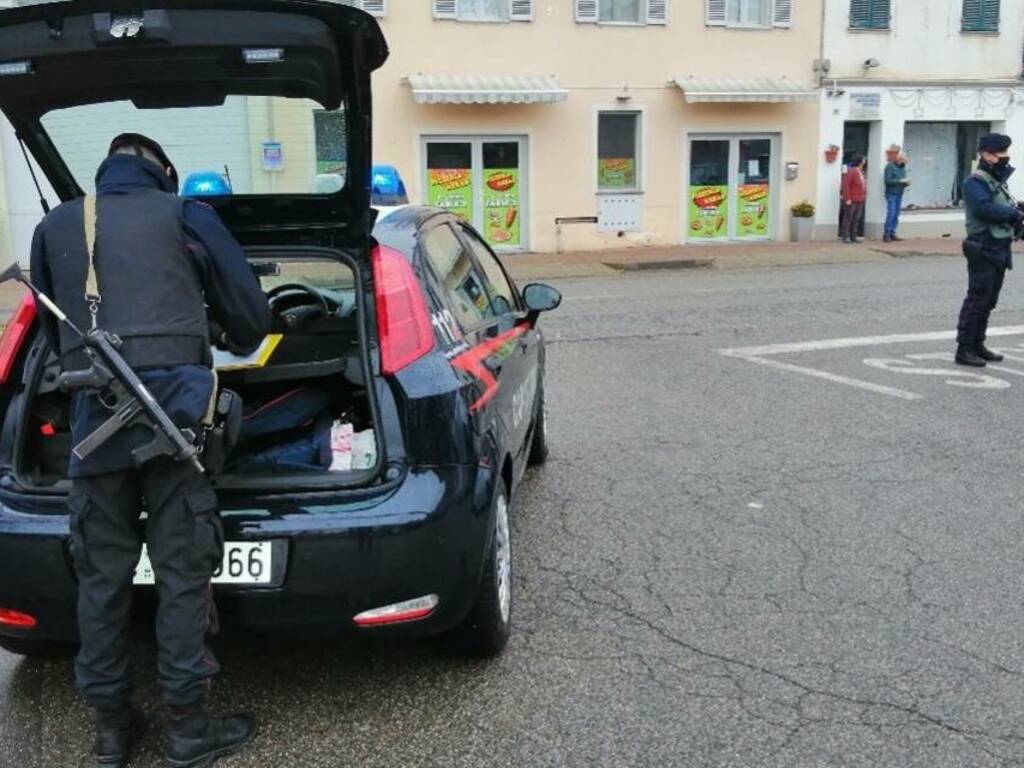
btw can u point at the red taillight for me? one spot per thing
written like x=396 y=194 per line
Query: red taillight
x=403 y=321
x=15 y=333
x=17 y=619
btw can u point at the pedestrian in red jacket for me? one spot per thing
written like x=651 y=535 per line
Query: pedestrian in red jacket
x=854 y=193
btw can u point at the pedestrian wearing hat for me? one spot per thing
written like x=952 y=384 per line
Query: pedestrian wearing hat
x=158 y=260
x=896 y=183
x=992 y=218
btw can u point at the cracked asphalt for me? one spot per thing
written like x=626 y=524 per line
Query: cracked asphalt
x=721 y=564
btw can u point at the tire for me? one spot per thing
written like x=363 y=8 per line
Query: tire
x=539 y=444
x=486 y=629
x=36 y=649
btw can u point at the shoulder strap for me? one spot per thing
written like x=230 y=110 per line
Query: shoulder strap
x=991 y=181
x=92 y=288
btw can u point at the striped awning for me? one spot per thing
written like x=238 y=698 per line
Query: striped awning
x=744 y=90
x=485 y=89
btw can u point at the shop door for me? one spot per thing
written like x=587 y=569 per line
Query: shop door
x=482 y=180
x=730 y=188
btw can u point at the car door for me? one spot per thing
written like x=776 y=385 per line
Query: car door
x=521 y=365
x=468 y=321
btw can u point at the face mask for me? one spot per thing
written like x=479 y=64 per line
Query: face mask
x=1001 y=163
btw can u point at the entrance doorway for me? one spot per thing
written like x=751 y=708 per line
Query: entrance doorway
x=730 y=194
x=482 y=180
x=856 y=141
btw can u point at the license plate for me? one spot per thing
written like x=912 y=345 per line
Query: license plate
x=245 y=562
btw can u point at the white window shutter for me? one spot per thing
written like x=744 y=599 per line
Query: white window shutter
x=586 y=11
x=445 y=9
x=714 y=13
x=657 y=11
x=783 y=13
x=520 y=10
x=376 y=7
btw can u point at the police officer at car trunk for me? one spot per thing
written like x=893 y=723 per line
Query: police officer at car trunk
x=158 y=259
x=992 y=219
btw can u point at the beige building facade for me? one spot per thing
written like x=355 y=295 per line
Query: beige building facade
x=577 y=124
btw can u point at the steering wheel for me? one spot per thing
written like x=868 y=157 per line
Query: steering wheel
x=301 y=314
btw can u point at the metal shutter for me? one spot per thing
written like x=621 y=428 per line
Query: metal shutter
x=657 y=11
x=445 y=9
x=783 y=13
x=586 y=11
x=376 y=7
x=981 y=16
x=714 y=12
x=520 y=10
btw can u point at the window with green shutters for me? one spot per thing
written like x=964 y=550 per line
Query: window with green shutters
x=981 y=16
x=869 y=14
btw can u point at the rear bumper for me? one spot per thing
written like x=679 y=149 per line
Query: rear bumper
x=426 y=536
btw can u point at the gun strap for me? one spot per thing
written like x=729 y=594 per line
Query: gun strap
x=92 y=288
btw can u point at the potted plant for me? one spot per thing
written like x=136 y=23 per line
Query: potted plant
x=801 y=226
x=831 y=153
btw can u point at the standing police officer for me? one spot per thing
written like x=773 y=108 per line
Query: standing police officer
x=158 y=261
x=992 y=218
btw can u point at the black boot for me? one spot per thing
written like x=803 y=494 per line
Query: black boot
x=966 y=355
x=116 y=730
x=987 y=354
x=196 y=740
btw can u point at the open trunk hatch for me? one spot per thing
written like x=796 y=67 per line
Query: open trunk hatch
x=160 y=57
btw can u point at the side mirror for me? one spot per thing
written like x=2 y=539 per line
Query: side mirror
x=541 y=298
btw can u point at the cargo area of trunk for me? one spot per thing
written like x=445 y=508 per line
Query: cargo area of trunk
x=308 y=414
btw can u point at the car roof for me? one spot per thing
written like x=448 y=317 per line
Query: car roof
x=398 y=229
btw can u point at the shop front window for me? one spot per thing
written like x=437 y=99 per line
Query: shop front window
x=617 y=151
x=942 y=155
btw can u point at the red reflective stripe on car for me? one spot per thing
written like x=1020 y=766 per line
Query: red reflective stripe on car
x=472 y=362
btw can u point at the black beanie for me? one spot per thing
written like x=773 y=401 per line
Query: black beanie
x=994 y=142
x=138 y=142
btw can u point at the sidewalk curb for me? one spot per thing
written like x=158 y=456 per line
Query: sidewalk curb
x=660 y=264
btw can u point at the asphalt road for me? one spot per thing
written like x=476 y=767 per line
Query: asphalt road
x=784 y=556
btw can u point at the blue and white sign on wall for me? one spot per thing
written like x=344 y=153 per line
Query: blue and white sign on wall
x=273 y=156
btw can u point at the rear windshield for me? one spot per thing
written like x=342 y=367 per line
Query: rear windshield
x=249 y=145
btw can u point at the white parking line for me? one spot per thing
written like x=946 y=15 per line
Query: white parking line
x=762 y=355
x=861 y=341
x=849 y=381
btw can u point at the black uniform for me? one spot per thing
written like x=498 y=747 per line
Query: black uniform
x=988 y=250
x=158 y=260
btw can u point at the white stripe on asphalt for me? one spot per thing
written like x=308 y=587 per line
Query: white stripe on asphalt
x=835 y=378
x=860 y=341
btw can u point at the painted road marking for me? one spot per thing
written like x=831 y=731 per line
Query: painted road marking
x=764 y=355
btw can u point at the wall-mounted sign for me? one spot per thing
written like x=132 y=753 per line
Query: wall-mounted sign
x=273 y=156
x=865 y=106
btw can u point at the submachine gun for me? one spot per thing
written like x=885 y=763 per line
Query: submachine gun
x=119 y=390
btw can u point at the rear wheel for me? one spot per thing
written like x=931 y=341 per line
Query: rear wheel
x=539 y=444
x=486 y=629
x=36 y=648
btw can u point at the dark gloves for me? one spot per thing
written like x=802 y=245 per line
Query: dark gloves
x=220 y=339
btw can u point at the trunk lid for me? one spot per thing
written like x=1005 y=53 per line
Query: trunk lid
x=148 y=61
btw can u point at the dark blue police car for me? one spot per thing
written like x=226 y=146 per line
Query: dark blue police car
x=390 y=416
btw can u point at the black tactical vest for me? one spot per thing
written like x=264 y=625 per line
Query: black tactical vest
x=151 y=294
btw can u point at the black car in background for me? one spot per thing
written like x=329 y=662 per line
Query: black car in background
x=407 y=340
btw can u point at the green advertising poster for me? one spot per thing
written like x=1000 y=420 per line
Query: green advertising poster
x=709 y=213
x=451 y=188
x=616 y=173
x=752 y=208
x=502 y=219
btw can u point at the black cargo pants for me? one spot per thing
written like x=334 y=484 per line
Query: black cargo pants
x=185 y=541
x=984 y=284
